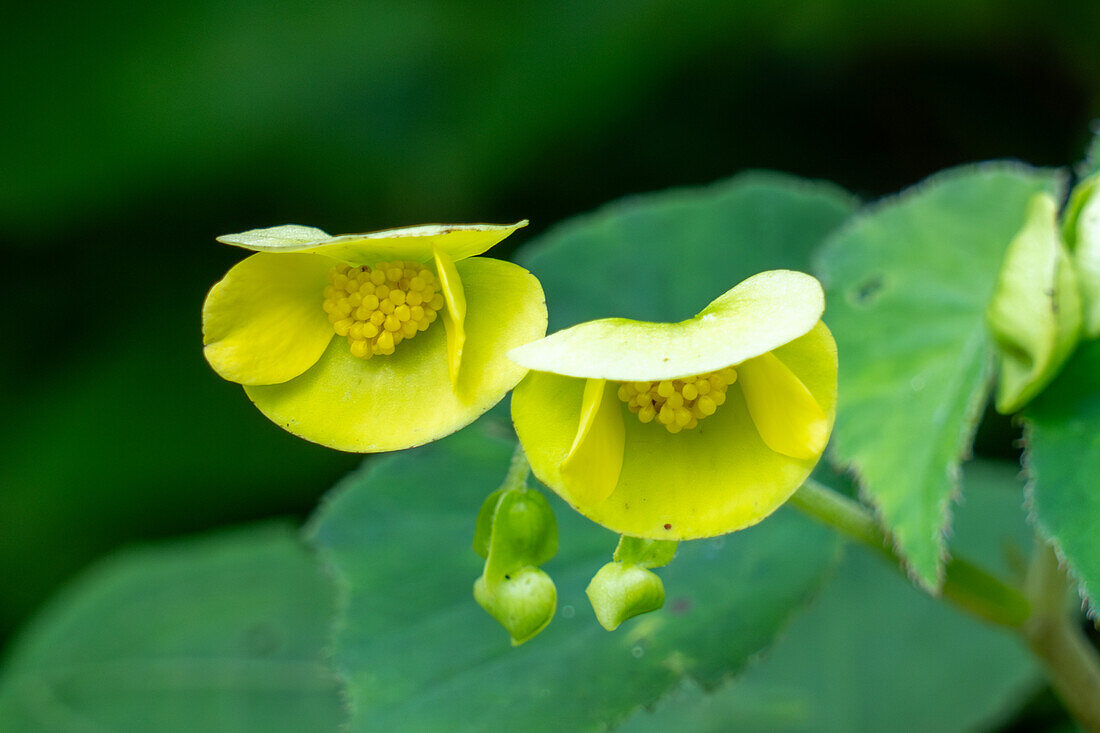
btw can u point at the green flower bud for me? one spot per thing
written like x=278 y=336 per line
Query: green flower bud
x=1035 y=313
x=515 y=532
x=618 y=592
x=1082 y=232
x=523 y=602
x=483 y=530
x=524 y=528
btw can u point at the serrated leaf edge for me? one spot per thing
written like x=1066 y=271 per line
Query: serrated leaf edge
x=979 y=399
x=1089 y=602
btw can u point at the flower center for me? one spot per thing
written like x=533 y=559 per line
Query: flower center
x=678 y=404
x=376 y=308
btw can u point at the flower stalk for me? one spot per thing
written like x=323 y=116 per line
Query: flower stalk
x=1039 y=614
x=1052 y=634
x=966 y=585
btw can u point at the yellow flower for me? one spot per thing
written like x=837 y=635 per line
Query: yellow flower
x=335 y=338
x=683 y=430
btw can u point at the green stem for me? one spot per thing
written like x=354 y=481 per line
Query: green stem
x=518 y=470
x=965 y=585
x=1041 y=616
x=1057 y=640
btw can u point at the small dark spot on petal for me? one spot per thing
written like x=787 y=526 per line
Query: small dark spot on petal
x=668 y=526
x=507 y=577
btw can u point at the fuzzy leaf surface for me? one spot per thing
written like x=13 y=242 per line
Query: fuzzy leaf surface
x=219 y=633
x=907 y=285
x=1063 y=458
x=417 y=653
x=875 y=653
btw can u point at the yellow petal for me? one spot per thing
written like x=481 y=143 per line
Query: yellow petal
x=458 y=241
x=263 y=322
x=406 y=399
x=713 y=479
x=454 y=315
x=786 y=415
x=591 y=468
x=763 y=312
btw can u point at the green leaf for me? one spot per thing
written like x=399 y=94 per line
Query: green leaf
x=219 y=633
x=417 y=653
x=874 y=653
x=907 y=285
x=84 y=467
x=664 y=256
x=1062 y=439
x=644 y=552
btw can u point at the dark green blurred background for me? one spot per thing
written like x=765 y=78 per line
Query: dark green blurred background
x=133 y=136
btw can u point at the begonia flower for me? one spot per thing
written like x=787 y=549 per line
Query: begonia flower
x=683 y=430
x=336 y=339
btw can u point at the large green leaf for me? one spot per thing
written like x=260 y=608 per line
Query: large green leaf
x=663 y=256
x=417 y=653
x=221 y=633
x=1063 y=459
x=874 y=653
x=84 y=466
x=907 y=285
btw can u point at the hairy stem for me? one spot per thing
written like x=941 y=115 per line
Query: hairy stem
x=966 y=585
x=518 y=470
x=1057 y=640
x=1040 y=616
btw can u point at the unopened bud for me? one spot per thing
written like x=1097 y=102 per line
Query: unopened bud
x=1082 y=233
x=1035 y=313
x=523 y=602
x=524 y=527
x=620 y=591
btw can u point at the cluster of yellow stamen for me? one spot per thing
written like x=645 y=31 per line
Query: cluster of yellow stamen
x=678 y=404
x=376 y=308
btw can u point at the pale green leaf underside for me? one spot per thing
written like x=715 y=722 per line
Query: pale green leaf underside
x=417 y=653
x=907 y=285
x=873 y=653
x=1063 y=459
x=222 y=633
x=756 y=316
